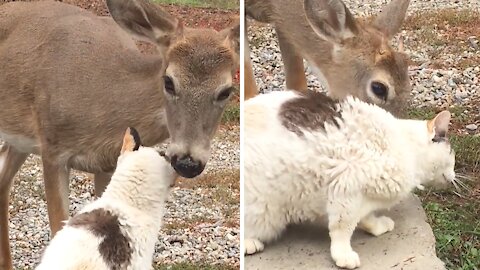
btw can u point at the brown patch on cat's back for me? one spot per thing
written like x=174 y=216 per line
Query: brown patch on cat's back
x=310 y=111
x=115 y=247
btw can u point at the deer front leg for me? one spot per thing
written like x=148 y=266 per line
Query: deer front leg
x=10 y=162
x=250 y=87
x=101 y=182
x=56 y=178
x=293 y=64
x=343 y=219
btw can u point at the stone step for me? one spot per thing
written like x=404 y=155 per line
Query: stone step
x=410 y=246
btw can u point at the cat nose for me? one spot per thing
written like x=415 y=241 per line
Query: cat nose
x=186 y=166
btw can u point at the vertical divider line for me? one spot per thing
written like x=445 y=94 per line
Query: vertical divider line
x=242 y=139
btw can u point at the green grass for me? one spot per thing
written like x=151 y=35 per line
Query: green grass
x=442 y=18
x=424 y=113
x=188 y=222
x=230 y=202
x=456 y=227
x=467 y=154
x=194 y=266
x=231 y=113
x=221 y=4
x=455 y=216
x=421 y=113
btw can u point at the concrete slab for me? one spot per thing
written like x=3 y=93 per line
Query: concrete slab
x=410 y=246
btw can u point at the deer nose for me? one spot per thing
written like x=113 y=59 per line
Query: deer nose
x=187 y=166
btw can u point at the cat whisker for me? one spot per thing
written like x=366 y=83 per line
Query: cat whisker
x=453 y=181
x=455 y=185
x=458 y=194
x=462 y=184
x=464 y=177
x=461 y=177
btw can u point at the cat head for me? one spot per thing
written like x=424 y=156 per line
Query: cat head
x=134 y=155
x=439 y=157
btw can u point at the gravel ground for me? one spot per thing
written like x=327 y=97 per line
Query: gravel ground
x=450 y=84
x=197 y=227
x=365 y=8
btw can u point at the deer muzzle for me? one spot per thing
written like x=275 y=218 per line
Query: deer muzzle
x=186 y=166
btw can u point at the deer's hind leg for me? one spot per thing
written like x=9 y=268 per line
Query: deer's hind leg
x=101 y=182
x=293 y=64
x=10 y=162
x=56 y=177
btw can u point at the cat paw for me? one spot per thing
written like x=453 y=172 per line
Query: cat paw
x=382 y=225
x=252 y=246
x=346 y=259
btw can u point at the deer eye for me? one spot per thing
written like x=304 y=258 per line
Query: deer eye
x=380 y=90
x=169 y=86
x=224 y=94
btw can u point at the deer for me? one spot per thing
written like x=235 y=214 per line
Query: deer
x=350 y=56
x=71 y=82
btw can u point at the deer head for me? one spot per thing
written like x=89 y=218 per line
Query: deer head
x=198 y=76
x=362 y=62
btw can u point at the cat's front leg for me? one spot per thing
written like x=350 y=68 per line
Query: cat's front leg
x=376 y=225
x=252 y=246
x=341 y=226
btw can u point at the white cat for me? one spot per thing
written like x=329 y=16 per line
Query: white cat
x=119 y=230
x=307 y=156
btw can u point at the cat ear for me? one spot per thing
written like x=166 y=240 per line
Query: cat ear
x=438 y=126
x=131 y=141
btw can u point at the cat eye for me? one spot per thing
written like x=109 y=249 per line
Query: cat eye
x=380 y=90
x=169 y=86
x=225 y=94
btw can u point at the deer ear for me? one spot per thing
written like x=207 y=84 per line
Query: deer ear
x=232 y=37
x=330 y=19
x=146 y=21
x=390 y=19
x=438 y=126
x=131 y=141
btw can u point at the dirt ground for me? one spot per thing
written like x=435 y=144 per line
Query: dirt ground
x=191 y=17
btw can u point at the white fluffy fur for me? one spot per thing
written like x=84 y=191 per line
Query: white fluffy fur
x=346 y=173
x=137 y=194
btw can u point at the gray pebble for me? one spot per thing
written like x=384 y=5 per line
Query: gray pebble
x=471 y=127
